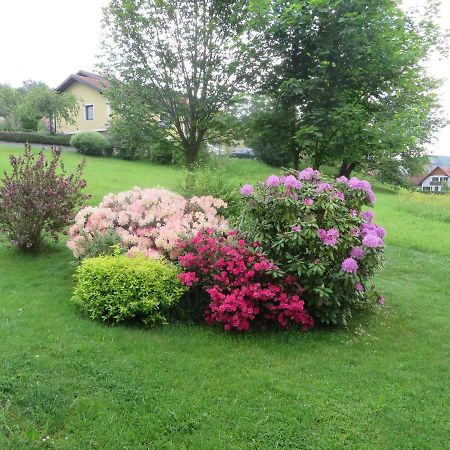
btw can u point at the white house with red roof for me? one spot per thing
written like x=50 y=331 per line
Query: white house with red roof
x=435 y=181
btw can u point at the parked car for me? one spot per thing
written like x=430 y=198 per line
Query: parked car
x=242 y=153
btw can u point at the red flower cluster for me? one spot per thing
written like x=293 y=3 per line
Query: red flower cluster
x=241 y=283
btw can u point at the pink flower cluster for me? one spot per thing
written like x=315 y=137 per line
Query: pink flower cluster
x=240 y=283
x=147 y=221
x=361 y=185
x=329 y=237
x=372 y=234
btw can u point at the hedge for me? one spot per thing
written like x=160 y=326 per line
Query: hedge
x=118 y=288
x=35 y=138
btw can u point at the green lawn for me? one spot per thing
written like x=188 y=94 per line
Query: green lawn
x=69 y=383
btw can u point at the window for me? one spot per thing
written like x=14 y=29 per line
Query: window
x=426 y=188
x=89 y=112
x=443 y=179
x=436 y=189
x=434 y=178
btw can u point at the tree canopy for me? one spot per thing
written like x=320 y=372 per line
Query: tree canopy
x=349 y=75
x=175 y=62
x=42 y=102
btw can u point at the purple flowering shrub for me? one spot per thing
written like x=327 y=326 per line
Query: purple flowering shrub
x=38 y=199
x=317 y=230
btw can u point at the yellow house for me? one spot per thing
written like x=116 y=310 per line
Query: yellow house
x=94 y=112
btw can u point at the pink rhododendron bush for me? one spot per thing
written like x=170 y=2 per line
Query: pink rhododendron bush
x=243 y=287
x=146 y=222
x=317 y=230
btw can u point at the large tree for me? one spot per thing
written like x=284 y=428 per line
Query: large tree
x=41 y=102
x=345 y=71
x=177 y=60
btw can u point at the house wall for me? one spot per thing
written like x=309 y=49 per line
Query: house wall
x=434 y=182
x=87 y=96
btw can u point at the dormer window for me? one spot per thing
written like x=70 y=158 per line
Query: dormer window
x=89 y=112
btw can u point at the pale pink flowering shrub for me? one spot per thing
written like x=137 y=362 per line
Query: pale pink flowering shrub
x=148 y=222
x=316 y=229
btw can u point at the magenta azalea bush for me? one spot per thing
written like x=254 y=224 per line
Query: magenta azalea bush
x=243 y=286
x=145 y=222
x=317 y=230
x=38 y=199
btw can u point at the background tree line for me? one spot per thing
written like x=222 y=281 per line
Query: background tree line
x=331 y=81
x=26 y=107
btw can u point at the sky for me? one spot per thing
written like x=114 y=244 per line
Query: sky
x=47 y=40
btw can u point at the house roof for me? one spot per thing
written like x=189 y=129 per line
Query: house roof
x=90 y=79
x=417 y=180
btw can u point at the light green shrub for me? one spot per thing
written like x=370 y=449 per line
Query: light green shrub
x=90 y=143
x=121 y=289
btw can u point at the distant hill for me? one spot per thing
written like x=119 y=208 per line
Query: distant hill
x=440 y=160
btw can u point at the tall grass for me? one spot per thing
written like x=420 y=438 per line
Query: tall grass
x=428 y=206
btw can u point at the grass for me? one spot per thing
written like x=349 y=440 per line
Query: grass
x=69 y=383
x=426 y=205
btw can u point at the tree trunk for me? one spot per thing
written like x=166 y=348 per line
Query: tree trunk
x=296 y=158
x=293 y=143
x=347 y=168
x=191 y=153
x=317 y=161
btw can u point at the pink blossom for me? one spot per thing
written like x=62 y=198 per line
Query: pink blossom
x=372 y=241
x=247 y=190
x=273 y=181
x=359 y=287
x=308 y=202
x=324 y=187
x=381 y=300
x=357 y=253
x=368 y=216
x=349 y=265
x=291 y=181
x=309 y=174
x=151 y=220
x=296 y=228
x=329 y=237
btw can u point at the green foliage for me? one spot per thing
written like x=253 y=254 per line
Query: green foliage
x=90 y=143
x=291 y=226
x=9 y=99
x=41 y=102
x=133 y=138
x=395 y=171
x=130 y=142
x=268 y=131
x=117 y=289
x=185 y=71
x=354 y=84
x=35 y=138
x=102 y=244
x=213 y=179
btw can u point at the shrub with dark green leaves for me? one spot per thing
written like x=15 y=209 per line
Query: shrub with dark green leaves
x=319 y=231
x=90 y=143
x=118 y=288
x=35 y=138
